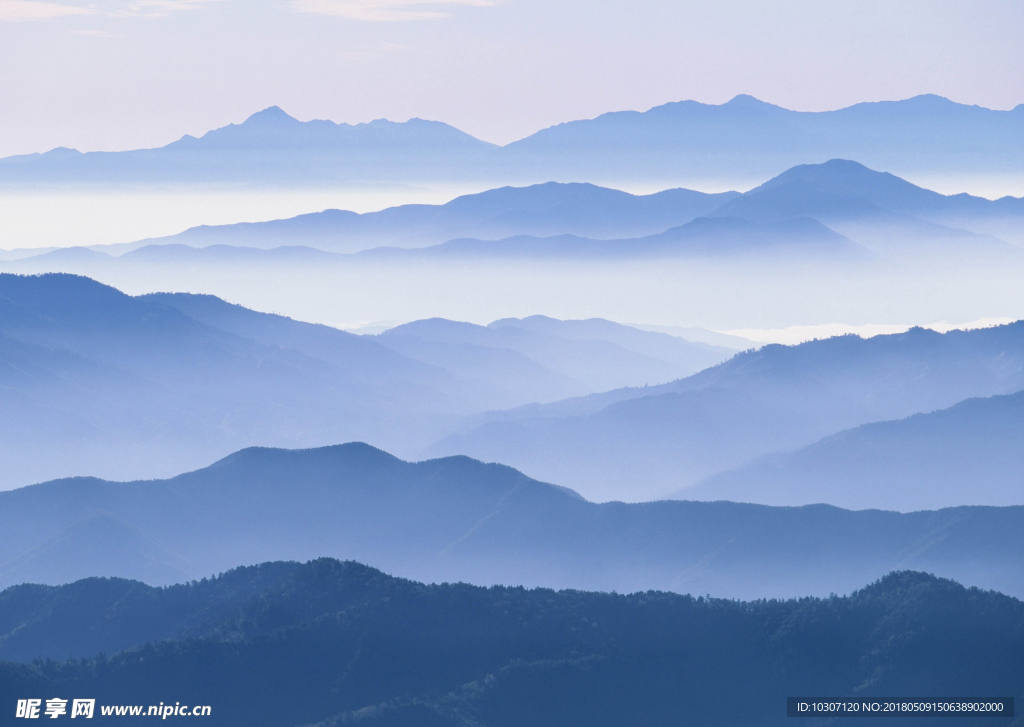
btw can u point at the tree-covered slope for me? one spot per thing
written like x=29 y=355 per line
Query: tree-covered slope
x=338 y=643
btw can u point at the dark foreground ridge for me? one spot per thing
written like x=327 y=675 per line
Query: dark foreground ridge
x=457 y=519
x=342 y=644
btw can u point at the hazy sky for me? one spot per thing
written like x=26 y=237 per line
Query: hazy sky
x=115 y=74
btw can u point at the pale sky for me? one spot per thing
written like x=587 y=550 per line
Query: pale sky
x=119 y=74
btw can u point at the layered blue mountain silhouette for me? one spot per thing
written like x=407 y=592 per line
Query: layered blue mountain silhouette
x=842 y=189
x=271 y=147
x=98 y=382
x=457 y=519
x=830 y=211
x=748 y=136
x=544 y=358
x=540 y=210
x=676 y=141
x=928 y=460
x=875 y=208
x=718 y=240
x=721 y=239
x=95 y=381
x=654 y=441
x=572 y=454
x=878 y=209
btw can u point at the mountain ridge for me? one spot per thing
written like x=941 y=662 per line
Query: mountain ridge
x=843 y=195
x=662 y=438
x=929 y=456
x=94 y=381
x=703 y=140
x=541 y=209
x=459 y=519
x=889 y=215
x=351 y=644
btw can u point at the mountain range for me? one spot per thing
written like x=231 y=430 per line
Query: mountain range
x=729 y=239
x=96 y=382
x=526 y=354
x=456 y=519
x=93 y=381
x=880 y=210
x=542 y=210
x=269 y=148
x=970 y=450
x=350 y=645
x=717 y=240
x=830 y=211
x=456 y=524
x=746 y=136
x=875 y=208
x=680 y=141
x=653 y=441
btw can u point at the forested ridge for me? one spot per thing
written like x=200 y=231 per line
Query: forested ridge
x=332 y=643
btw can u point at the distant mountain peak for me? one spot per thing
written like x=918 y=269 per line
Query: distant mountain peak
x=744 y=99
x=62 y=151
x=847 y=164
x=834 y=171
x=336 y=452
x=933 y=99
x=270 y=115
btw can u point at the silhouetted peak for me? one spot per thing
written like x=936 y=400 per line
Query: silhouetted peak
x=831 y=168
x=931 y=100
x=56 y=287
x=846 y=165
x=431 y=326
x=61 y=152
x=834 y=173
x=744 y=99
x=898 y=583
x=349 y=452
x=271 y=115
